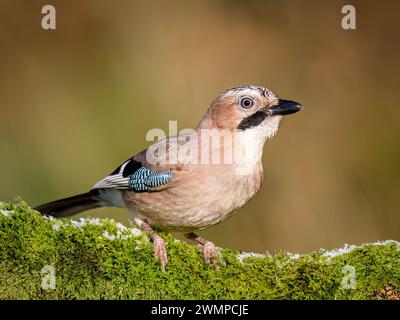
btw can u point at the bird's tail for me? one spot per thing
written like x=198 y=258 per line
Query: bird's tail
x=70 y=206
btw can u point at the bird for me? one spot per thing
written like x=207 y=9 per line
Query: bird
x=192 y=181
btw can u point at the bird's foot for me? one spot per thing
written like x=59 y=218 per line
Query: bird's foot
x=211 y=254
x=160 y=251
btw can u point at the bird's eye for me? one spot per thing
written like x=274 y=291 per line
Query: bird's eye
x=246 y=102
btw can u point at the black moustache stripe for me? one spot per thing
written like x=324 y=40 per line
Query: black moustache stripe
x=252 y=121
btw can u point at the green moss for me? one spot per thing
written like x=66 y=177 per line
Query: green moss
x=91 y=264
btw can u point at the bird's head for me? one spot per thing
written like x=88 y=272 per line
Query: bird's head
x=248 y=108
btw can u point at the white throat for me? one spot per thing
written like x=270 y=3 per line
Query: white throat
x=249 y=144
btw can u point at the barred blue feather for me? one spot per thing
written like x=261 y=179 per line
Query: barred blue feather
x=144 y=179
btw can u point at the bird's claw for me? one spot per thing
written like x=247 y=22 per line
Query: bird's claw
x=160 y=251
x=211 y=254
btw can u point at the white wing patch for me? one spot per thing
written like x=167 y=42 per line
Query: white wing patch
x=114 y=181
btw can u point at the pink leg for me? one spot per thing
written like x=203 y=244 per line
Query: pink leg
x=210 y=252
x=160 y=252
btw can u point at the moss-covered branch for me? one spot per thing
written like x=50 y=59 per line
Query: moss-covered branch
x=95 y=258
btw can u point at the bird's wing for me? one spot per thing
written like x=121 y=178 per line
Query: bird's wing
x=135 y=176
x=139 y=175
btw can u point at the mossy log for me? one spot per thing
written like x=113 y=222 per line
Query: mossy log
x=42 y=258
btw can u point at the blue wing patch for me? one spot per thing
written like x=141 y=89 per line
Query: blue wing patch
x=144 y=179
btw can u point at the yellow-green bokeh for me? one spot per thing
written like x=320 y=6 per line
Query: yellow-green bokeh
x=78 y=100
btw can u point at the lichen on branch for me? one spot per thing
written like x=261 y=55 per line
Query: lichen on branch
x=100 y=259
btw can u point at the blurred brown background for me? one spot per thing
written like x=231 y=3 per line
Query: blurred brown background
x=77 y=101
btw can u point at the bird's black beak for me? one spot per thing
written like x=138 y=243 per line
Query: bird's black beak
x=284 y=107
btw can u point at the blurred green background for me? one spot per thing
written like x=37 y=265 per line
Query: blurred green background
x=77 y=101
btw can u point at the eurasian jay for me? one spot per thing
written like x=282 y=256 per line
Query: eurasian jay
x=195 y=180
